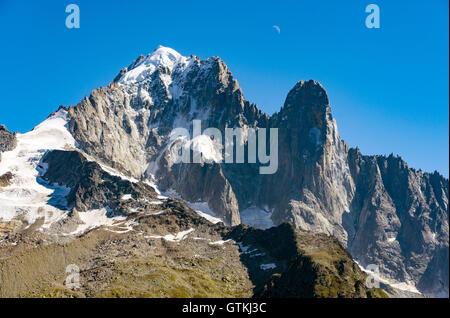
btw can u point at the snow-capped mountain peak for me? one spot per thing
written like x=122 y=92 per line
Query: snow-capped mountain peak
x=163 y=58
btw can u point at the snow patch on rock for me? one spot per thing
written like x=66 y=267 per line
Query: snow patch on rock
x=172 y=238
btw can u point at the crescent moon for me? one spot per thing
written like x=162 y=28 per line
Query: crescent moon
x=276 y=27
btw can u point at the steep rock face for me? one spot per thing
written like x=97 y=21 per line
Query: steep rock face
x=385 y=213
x=312 y=165
x=93 y=188
x=7 y=140
x=399 y=220
x=382 y=211
x=213 y=187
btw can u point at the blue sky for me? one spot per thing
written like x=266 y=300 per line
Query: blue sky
x=388 y=87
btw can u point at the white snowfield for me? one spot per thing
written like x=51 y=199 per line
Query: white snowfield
x=220 y=242
x=202 y=144
x=95 y=218
x=26 y=197
x=126 y=197
x=172 y=238
x=29 y=197
x=406 y=286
